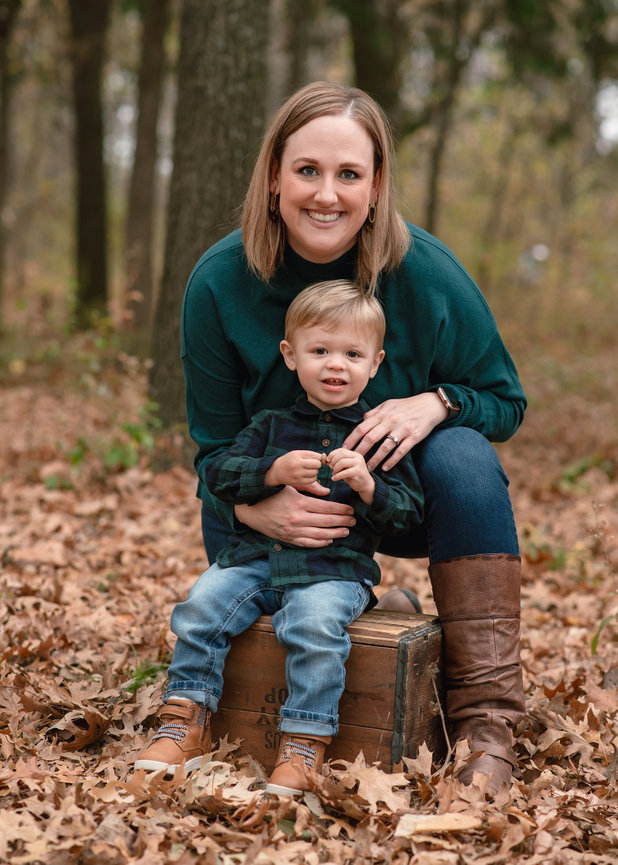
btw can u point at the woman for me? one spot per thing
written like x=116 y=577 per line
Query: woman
x=320 y=206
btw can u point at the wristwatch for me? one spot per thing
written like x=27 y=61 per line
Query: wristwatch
x=448 y=405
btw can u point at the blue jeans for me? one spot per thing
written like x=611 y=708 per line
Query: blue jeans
x=467 y=506
x=309 y=620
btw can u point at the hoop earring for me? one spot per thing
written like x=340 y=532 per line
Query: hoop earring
x=273 y=207
x=371 y=217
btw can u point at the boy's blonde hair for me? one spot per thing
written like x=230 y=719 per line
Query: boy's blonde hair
x=381 y=246
x=333 y=304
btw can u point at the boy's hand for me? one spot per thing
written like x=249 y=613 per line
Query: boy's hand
x=350 y=466
x=298 y=469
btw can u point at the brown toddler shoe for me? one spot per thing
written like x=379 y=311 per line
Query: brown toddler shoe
x=183 y=738
x=297 y=753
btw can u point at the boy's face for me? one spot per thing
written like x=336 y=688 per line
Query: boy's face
x=333 y=366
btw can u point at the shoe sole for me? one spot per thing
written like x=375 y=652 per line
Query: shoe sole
x=278 y=790
x=170 y=768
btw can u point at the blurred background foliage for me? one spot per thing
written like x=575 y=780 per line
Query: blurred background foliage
x=128 y=132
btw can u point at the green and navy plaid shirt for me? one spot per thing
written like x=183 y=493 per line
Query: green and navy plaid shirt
x=238 y=476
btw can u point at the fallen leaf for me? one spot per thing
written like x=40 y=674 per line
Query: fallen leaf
x=412 y=824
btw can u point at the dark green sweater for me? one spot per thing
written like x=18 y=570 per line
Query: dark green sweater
x=440 y=331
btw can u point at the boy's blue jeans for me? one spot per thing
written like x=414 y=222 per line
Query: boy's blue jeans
x=309 y=620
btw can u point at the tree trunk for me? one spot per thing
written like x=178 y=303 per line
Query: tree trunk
x=219 y=119
x=380 y=41
x=88 y=26
x=300 y=19
x=141 y=193
x=454 y=34
x=8 y=11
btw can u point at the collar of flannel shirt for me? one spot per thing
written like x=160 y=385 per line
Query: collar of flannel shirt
x=350 y=413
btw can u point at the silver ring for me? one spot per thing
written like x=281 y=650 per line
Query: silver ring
x=394 y=438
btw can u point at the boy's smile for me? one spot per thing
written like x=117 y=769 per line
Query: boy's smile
x=333 y=366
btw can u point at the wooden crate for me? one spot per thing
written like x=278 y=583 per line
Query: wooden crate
x=387 y=710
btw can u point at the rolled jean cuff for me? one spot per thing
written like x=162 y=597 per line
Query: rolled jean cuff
x=308 y=723
x=307 y=728
x=194 y=692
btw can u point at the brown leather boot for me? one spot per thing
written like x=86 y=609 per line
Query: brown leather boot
x=183 y=738
x=478 y=601
x=296 y=754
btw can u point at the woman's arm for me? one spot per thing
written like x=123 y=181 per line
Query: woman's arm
x=441 y=333
x=294 y=518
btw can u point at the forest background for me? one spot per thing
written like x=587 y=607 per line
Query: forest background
x=127 y=135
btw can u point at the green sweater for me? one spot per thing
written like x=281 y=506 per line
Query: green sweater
x=440 y=331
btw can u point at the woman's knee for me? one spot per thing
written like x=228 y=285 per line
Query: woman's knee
x=467 y=505
x=459 y=464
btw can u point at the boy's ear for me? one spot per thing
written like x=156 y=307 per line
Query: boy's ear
x=288 y=354
x=376 y=362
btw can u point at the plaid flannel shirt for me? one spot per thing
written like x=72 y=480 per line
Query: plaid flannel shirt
x=238 y=476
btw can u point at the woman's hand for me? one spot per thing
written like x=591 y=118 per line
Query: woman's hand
x=297 y=519
x=408 y=420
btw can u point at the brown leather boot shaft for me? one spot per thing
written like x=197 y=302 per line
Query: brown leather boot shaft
x=477 y=587
x=478 y=602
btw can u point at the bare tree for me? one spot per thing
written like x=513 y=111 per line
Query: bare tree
x=381 y=42
x=219 y=119
x=8 y=11
x=141 y=193
x=88 y=26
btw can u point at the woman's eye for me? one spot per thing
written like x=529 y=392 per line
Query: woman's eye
x=348 y=174
x=308 y=171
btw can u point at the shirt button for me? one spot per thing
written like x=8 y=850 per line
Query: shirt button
x=325 y=443
x=277 y=548
x=328 y=418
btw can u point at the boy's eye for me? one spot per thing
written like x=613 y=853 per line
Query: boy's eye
x=353 y=353
x=319 y=351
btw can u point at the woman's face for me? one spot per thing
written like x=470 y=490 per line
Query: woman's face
x=325 y=182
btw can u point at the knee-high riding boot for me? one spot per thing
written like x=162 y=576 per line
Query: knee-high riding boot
x=478 y=602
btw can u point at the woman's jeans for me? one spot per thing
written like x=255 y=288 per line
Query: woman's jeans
x=309 y=620
x=467 y=506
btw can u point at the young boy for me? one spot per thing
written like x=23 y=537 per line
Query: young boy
x=333 y=340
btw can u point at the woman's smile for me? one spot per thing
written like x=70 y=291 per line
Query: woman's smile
x=324 y=217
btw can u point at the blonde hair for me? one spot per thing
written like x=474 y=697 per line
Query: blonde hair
x=381 y=248
x=333 y=304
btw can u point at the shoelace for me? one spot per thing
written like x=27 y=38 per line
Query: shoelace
x=171 y=731
x=303 y=750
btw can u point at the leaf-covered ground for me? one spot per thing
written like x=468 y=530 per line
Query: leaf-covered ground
x=100 y=536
